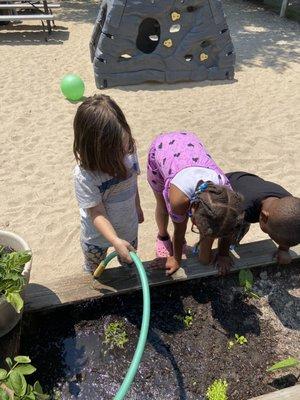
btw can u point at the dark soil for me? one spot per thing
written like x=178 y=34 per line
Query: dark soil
x=179 y=363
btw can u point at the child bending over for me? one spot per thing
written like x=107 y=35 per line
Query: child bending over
x=105 y=181
x=276 y=210
x=186 y=181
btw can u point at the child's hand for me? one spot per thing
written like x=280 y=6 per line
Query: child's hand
x=224 y=264
x=283 y=257
x=140 y=214
x=172 y=265
x=123 y=248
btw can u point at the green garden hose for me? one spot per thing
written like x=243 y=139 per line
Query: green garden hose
x=127 y=382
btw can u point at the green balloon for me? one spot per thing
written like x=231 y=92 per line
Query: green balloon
x=72 y=86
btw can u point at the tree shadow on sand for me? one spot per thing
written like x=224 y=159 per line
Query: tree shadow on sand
x=260 y=37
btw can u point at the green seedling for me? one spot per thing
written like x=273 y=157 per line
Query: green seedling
x=187 y=319
x=284 y=364
x=115 y=335
x=241 y=340
x=217 y=390
x=11 y=279
x=13 y=384
x=230 y=344
x=246 y=281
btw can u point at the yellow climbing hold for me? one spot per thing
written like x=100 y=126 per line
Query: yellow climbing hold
x=203 y=57
x=175 y=16
x=168 y=43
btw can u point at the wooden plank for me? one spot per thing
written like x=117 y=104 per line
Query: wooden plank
x=291 y=393
x=121 y=280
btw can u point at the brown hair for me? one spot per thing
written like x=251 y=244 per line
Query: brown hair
x=218 y=211
x=100 y=131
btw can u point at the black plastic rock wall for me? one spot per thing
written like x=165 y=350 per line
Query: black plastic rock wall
x=136 y=41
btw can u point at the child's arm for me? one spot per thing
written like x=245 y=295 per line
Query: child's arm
x=139 y=208
x=174 y=262
x=223 y=260
x=102 y=224
x=205 y=252
x=283 y=255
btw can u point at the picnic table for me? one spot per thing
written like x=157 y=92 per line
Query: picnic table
x=35 y=10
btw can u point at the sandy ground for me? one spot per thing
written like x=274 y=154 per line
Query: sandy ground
x=250 y=123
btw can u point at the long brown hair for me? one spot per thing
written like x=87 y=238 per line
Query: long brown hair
x=102 y=136
x=218 y=211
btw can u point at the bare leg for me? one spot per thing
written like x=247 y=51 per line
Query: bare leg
x=161 y=215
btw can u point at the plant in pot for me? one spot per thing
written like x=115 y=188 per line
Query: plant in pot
x=11 y=279
x=13 y=382
x=15 y=264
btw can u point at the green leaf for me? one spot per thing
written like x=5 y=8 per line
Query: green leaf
x=217 y=390
x=15 y=300
x=246 y=278
x=42 y=396
x=3 y=374
x=29 y=389
x=8 y=361
x=25 y=369
x=3 y=394
x=22 y=359
x=39 y=392
x=11 y=279
x=17 y=383
x=38 y=388
x=29 y=396
x=287 y=363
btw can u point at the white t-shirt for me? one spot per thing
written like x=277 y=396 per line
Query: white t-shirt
x=187 y=179
x=117 y=196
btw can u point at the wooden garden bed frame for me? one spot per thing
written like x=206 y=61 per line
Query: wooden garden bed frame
x=119 y=280
x=114 y=281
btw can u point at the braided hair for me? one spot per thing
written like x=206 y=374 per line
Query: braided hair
x=217 y=210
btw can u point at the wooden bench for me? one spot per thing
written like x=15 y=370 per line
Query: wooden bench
x=43 y=12
x=26 y=6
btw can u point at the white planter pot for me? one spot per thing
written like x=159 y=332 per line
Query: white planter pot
x=8 y=316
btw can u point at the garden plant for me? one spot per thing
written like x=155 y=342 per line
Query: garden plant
x=13 y=384
x=11 y=279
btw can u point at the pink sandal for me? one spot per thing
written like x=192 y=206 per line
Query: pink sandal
x=163 y=248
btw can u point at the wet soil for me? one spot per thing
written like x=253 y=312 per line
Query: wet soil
x=179 y=363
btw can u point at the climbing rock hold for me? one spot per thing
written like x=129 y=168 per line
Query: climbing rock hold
x=168 y=43
x=203 y=57
x=175 y=16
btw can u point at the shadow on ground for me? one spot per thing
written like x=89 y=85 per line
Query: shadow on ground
x=260 y=37
x=29 y=35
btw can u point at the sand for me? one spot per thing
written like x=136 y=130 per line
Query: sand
x=250 y=123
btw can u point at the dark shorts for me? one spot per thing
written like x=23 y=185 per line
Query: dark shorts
x=93 y=255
